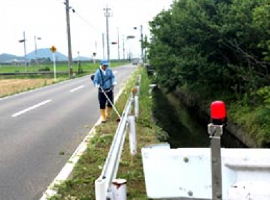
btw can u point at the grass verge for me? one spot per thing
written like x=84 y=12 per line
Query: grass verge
x=80 y=185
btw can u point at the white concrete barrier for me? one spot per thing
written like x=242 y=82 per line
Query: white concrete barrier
x=186 y=173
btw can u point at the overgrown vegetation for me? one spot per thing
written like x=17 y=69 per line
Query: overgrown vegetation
x=80 y=186
x=218 y=49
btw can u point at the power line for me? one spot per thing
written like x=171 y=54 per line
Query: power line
x=80 y=16
x=87 y=22
x=60 y=1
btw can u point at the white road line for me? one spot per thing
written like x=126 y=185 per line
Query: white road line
x=30 y=108
x=77 y=88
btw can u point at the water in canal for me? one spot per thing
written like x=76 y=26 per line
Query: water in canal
x=182 y=125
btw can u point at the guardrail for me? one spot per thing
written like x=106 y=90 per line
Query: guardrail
x=103 y=185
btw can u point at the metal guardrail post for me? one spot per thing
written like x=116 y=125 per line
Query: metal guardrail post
x=139 y=80
x=137 y=90
x=136 y=102
x=132 y=135
x=100 y=190
x=215 y=132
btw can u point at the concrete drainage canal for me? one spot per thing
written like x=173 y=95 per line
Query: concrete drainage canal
x=182 y=125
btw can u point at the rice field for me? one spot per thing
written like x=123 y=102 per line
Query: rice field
x=20 y=83
x=14 y=86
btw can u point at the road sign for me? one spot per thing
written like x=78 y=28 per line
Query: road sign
x=53 y=49
x=130 y=37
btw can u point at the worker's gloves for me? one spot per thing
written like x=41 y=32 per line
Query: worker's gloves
x=97 y=85
x=114 y=83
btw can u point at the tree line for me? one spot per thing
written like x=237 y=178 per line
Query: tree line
x=216 y=48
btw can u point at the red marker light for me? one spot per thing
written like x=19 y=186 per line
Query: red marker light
x=218 y=113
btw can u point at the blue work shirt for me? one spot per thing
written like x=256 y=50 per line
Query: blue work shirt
x=104 y=78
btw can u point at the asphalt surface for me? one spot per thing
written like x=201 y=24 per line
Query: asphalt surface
x=40 y=130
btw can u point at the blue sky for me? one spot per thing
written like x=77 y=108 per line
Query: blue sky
x=47 y=19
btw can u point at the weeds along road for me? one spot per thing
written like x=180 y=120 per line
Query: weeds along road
x=39 y=130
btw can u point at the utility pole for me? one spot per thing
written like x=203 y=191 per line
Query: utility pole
x=141 y=30
x=103 y=45
x=142 y=43
x=118 y=45
x=35 y=40
x=25 y=59
x=24 y=45
x=107 y=15
x=95 y=45
x=69 y=40
x=124 y=48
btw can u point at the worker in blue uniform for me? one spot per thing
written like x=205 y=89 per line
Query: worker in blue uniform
x=104 y=81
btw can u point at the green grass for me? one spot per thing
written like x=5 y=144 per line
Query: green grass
x=86 y=68
x=60 y=67
x=80 y=185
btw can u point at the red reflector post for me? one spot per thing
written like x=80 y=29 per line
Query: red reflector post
x=218 y=113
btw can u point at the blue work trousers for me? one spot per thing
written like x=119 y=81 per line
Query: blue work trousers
x=103 y=101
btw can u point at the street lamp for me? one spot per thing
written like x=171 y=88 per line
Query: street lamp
x=123 y=48
x=35 y=40
x=118 y=44
x=129 y=53
x=23 y=41
x=141 y=29
x=79 y=63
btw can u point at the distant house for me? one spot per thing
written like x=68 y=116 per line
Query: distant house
x=9 y=59
x=40 y=60
x=14 y=62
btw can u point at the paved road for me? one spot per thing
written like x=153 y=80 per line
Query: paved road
x=38 y=127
